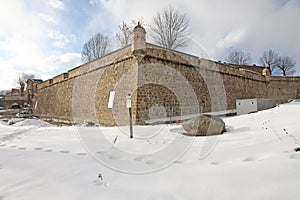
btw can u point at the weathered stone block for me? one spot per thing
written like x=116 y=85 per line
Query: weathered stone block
x=204 y=125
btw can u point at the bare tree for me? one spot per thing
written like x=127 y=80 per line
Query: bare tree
x=23 y=77
x=170 y=28
x=21 y=80
x=270 y=59
x=286 y=66
x=239 y=58
x=97 y=46
x=124 y=34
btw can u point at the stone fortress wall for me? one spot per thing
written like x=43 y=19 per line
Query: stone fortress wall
x=82 y=93
x=162 y=84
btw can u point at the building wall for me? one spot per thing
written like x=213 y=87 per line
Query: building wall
x=54 y=101
x=169 y=85
x=283 y=88
x=198 y=85
x=120 y=77
x=253 y=68
x=14 y=98
x=215 y=85
x=162 y=83
x=82 y=93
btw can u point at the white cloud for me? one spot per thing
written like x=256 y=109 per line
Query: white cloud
x=26 y=54
x=24 y=45
x=21 y=52
x=59 y=39
x=30 y=40
x=60 y=61
x=7 y=72
x=15 y=20
x=94 y=2
x=221 y=26
x=57 y=35
x=56 y=4
x=231 y=39
x=47 y=18
x=44 y=65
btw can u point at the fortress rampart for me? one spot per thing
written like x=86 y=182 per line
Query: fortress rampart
x=162 y=83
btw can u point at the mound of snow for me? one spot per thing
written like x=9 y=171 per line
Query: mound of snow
x=14 y=120
x=2 y=122
x=33 y=122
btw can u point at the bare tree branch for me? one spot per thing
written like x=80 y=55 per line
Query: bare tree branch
x=269 y=59
x=97 y=46
x=239 y=58
x=124 y=34
x=170 y=29
x=23 y=77
x=286 y=66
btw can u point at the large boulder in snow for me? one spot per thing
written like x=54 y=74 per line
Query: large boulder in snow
x=203 y=125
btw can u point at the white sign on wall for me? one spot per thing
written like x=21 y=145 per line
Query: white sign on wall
x=111 y=99
x=128 y=101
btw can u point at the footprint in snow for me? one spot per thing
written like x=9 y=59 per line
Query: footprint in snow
x=64 y=151
x=139 y=158
x=178 y=161
x=13 y=146
x=113 y=157
x=22 y=148
x=81 y=154
x=48 y=150
x=101 y=152
x=38 y=148
x=214 y=163
x=149 y=162
x=100 y=183
x=295 y=156
x=2 y=145
x=248 y=159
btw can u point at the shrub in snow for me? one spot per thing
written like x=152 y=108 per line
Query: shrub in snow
x=203 y=125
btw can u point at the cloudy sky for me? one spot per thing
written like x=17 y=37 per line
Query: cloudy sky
x=45 y=37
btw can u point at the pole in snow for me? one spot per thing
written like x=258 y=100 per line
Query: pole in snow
x=128 y=105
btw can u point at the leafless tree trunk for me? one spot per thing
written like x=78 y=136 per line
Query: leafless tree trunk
x=97 y=46
x=269 y=59
x=239 y=58
x=124 y=34
x=286 y=66
x=170 y=29
x=23 y=77
x=21 y=80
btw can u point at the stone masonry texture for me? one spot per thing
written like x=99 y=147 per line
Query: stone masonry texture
x=162 y=83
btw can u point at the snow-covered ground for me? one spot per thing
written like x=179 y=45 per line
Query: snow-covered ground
x=255 y=159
